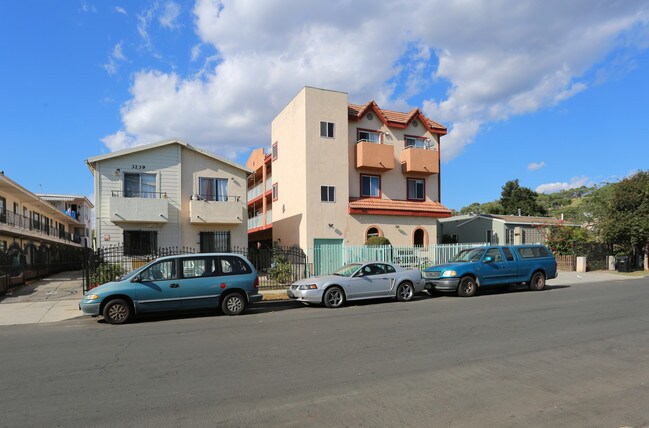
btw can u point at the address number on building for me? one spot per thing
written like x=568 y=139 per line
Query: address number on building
x=138 y=166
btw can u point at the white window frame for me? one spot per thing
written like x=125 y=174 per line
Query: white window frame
x=327 y=128
x=331 y=194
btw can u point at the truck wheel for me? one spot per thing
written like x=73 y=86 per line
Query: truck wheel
x=467 y=287
x=537 y=283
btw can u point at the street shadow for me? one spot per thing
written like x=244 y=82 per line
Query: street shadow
x=257 y=308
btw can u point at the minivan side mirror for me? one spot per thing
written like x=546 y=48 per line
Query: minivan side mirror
x=488 y=259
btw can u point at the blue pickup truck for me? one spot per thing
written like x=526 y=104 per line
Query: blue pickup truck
x=494 y=265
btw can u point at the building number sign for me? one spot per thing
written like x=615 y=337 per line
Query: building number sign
x=138 y=166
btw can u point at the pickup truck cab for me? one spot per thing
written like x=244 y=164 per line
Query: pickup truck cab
x=490 y=266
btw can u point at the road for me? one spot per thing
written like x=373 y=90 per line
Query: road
x=567 y=356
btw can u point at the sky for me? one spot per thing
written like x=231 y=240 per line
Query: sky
x=553 y=93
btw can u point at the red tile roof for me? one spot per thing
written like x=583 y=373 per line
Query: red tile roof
x=391 y=117
x=397 y=207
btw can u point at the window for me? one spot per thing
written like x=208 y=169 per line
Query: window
x=215 y=242
x=274 y=151
x=327 y=193
x=371 y=136
x=232 y=265
x=417 y=142
x=491 y=237
x=3 y=210
x=327 y=129
x=494 y=253
x=389 y=269
x=418 y=238
x=371 y=186
x=509 y=237
x=508 y=254
x=416 y=189
x=36 y=220
x=194 y=268
x=275 y=192
x=140 y=242
x=372 y=231
x=139 y=185
x=213 y=189
x=161 y=271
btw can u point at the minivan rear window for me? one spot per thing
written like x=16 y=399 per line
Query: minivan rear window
x=232 y=265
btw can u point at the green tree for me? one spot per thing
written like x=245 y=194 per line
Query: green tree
x=514 y=197
x=377 y=240
x=621 y=213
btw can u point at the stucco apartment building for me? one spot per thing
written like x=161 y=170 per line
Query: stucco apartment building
x=33 y=233
x=169 y=194
x=76 y=206
x=339 y=173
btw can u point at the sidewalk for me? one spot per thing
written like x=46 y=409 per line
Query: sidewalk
x=57 y=297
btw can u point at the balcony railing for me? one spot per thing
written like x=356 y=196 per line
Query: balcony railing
x=225 y=211
x=374 y=155
x=269 y=183
x=132 y=194
x=420 y=160
x=255 y=191
x=255 y=222
x=131 y=209
x=29 y=226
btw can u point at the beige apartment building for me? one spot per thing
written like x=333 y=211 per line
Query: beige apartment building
x=339 y=173
x=169 y=194
x=76 y=206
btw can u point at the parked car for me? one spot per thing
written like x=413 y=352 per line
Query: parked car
x=495 y=265
x=357 y=281
x=175 y=283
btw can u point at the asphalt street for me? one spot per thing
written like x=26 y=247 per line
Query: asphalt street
x=573 y=355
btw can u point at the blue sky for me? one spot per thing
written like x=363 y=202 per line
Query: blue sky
x=550 y=93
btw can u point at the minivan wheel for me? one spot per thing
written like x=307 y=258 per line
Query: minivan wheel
x=117 y=311
x=467 y=287
x=537 y=283
x=233 y=304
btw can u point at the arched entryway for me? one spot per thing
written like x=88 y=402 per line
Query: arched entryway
x=419 y=237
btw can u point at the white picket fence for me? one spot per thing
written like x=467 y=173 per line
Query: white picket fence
x=327 y=258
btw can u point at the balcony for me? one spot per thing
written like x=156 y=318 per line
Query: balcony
x=258 y=221
x=375 y=156
x=216 y=212
x=420 y=160
x=138 y=210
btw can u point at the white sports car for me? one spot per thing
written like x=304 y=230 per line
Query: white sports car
x=356 y=281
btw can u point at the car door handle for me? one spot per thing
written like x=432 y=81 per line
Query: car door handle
x=174 y=285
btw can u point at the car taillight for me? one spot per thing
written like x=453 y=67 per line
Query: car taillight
x=256 y=281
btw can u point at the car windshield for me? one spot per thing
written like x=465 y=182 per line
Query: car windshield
x=347 y=270
x=472 y=255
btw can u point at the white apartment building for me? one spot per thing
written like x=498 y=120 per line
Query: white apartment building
x=339 y=173
x=169 y=194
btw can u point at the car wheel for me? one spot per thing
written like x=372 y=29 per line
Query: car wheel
x=233 y=304
x=117 y=311
x=334 y=297
x=405 y=291
x=537 y=283
x=467 y=287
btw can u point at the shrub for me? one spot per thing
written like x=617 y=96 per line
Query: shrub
x=105 y=273
x=281 y=270
x=377 y=240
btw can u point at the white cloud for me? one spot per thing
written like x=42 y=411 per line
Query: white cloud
x=195 y=52
x=169 y=17
x=536 y=166
x=121 y=10
x=116 y=56
x=574 y=183
x=500 y=58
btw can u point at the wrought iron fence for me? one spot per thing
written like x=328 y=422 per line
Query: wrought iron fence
x=277 y=267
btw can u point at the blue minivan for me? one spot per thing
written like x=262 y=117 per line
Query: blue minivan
x=177 y=283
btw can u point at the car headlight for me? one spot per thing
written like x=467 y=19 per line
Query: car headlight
x=308 y=287
x=91 y=296
x=449 y=273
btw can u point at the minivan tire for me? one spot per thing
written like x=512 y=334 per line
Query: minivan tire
x=233 y=304
x=117 y=311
